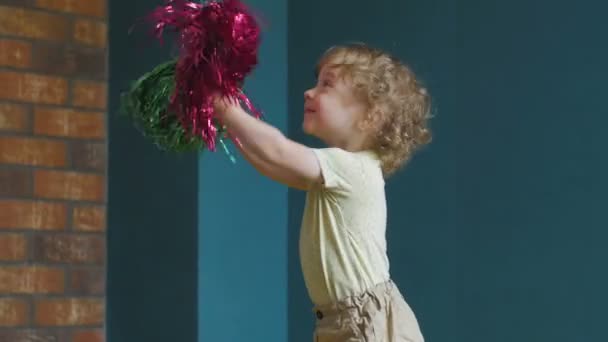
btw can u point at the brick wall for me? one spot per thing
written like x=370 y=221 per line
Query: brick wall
x=53 y=81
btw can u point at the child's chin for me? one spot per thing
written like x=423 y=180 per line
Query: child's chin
x=307 y=128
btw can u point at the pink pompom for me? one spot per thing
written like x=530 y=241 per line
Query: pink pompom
x=218 y=47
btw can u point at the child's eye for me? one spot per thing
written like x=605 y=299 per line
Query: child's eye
x=326 y=83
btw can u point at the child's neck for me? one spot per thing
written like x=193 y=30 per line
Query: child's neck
x=352 y=144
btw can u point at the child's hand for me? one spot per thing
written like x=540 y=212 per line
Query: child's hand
x=222 y=104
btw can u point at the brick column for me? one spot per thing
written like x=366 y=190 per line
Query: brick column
x=53 y=84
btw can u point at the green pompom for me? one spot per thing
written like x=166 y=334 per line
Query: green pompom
x=147 y=104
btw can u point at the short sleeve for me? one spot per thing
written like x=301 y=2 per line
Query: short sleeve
x=339 y=168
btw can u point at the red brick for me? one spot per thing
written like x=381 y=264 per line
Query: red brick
x=13 y=117
x=89 y=32
x=15 y=182
x=89 y=218
x=32 y=215
x=15 y=53
x=32 y=88
x=32 y=335
x=87 y=281
x=95 y=8
x=96 y=335
x=88 y=155
x=31 y=280
x=82 y=62
x=13 y=247
x=28 y=151
x=71 y=249
x=27 y=23
x=90 y=94
x=69 y=185
x=69 y=123
x=69 y=312
x=13 y=312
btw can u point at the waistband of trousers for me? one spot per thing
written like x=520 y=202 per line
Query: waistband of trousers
x=355 y=301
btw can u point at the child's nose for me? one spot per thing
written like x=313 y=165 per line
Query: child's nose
x=308 y=94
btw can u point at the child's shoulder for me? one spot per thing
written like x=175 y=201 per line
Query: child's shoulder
x=347 y=161
x=337 y=151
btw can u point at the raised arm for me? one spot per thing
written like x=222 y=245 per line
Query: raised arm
x=268 y=150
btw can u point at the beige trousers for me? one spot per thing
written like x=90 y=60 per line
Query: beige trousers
x=381 y=314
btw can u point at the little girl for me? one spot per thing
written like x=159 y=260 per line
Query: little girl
x=372 y=113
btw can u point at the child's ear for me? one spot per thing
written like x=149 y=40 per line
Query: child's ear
x=371 y=122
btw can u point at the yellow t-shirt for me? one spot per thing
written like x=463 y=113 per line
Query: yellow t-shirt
x=343 y=233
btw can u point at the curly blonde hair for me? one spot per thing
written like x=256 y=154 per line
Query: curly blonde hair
x=398 y=105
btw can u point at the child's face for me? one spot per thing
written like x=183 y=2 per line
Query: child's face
x=331 y=109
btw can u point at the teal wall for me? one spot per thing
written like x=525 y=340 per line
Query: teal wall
x=496 y=231
x=196 y=245
x=152 y=209
x=243 y=216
